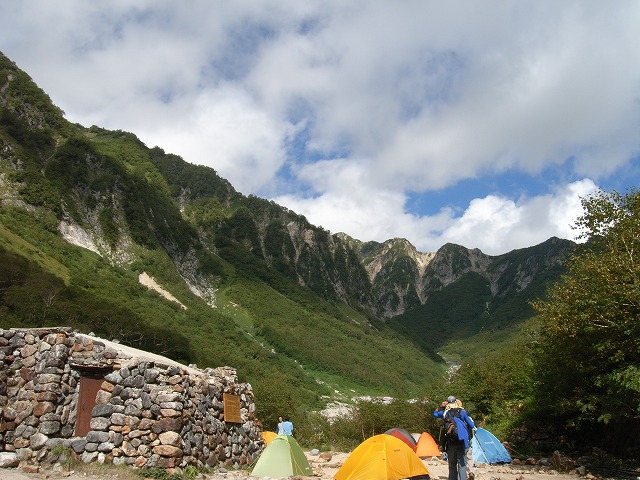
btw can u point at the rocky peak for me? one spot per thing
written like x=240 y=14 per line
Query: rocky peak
x=404 y=278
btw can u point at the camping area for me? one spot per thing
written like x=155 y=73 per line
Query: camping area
x=325 y=465
x=388 y=456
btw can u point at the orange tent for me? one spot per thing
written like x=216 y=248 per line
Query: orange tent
x=267 y=436
x=382 y=457
x=427 y=446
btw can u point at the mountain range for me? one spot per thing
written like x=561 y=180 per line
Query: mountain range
x=104 y=234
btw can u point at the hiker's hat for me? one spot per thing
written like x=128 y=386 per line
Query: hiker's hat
x=451 y=399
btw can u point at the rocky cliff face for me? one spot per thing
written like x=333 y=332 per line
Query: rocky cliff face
x=113 y=195
x=396 y=271
x=404 y=278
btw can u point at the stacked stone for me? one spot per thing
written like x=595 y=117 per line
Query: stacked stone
x=147 y=413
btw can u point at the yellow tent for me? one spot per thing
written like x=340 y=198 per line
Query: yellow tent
x=427 y=446
x=382 y=457
x=267 y=436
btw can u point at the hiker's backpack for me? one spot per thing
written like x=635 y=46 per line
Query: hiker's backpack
x=452 y=420
x=450 y=425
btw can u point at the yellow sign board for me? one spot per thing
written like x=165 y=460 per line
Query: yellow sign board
x=231 y=405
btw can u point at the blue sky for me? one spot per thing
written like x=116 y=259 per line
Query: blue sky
x=478 y=123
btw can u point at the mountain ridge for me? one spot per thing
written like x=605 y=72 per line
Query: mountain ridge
x=296 y=304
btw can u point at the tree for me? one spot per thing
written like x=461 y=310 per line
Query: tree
x=588 y=362
x=494 y=388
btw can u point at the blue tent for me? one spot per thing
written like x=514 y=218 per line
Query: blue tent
x=487 y=448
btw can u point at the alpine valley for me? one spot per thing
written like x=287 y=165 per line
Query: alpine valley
x=104 y=234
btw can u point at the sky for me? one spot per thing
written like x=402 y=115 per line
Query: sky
x=477 y=123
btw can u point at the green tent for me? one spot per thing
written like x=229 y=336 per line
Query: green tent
x=282 y=458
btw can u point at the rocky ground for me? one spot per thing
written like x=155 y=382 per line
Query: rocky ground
x=325 y=465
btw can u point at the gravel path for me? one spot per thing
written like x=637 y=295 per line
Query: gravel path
x=324 y=469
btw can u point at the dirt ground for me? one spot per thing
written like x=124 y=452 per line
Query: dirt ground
x=324 y=469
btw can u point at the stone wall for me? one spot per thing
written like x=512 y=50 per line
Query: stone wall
x=148 y=412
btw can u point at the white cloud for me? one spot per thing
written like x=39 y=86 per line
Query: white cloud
x=393 y=98
x=494 y=224
x=227 y=131
x=570 y=90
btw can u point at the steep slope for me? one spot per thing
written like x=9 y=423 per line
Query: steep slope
x=86 y=212
x=474 y=302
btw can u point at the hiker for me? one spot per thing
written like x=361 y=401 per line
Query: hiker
x=280 y=429
x=456 y=436
x=469 y=455
x=287 y=426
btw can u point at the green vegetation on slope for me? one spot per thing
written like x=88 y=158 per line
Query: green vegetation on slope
x=48 y=282
x=458 y=312
x=111 y=175
x=474 y=316
x=289 y=298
